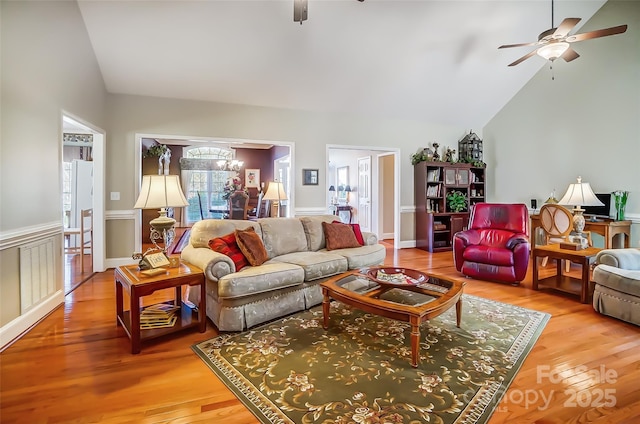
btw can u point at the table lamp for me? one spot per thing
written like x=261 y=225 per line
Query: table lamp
x=332 y=190
x=347 y=190
x=579 y=194
x=275 y=192
x=161 y=192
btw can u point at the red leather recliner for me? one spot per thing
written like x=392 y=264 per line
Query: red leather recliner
x=496 y=245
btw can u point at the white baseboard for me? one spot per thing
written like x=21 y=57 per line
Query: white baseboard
x=18 y=326
x=407 y=244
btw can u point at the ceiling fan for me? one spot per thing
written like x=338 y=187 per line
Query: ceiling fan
x=556 y=42
x=301 y=10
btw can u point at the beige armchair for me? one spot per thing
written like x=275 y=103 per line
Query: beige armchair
x=617 y=284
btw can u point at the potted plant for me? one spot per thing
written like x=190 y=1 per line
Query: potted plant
x=457 y=201
x=156 y=151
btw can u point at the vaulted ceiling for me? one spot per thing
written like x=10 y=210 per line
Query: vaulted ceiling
x=432 y=61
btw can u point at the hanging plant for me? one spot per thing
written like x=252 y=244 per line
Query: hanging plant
x=457 y=201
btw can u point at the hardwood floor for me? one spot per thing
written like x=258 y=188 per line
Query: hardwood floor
x=76 y=366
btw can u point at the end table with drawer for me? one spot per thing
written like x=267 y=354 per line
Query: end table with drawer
x=130 y=279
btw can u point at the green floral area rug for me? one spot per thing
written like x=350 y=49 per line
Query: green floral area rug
x=358 y=371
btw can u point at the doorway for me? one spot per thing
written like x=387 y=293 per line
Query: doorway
x=82 y=175
x=373 y=179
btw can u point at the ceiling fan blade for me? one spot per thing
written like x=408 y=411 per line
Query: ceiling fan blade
x=523 y=58
x=597 y=33
x=565 y=26
x=570 y=55
x=506 y=46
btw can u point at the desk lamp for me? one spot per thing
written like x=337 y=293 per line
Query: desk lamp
x=161 y=192
x=579 y=194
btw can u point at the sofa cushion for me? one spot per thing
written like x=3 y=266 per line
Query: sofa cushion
x=228 y=246
x=313 y=230
x=206 y=229
x=488 y=255
x=339 y=236
x=251 y=245
x=358 y=257
x=316 y=265
x=282 y=236
x=267 y=277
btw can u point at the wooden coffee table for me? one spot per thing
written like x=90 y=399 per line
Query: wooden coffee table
x=415 y=302
x=128 y=278
x=563 y=282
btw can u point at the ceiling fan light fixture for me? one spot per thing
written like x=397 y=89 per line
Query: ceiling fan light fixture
x=552 y=51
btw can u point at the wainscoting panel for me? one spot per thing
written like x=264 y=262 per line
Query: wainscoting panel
x=37 y=273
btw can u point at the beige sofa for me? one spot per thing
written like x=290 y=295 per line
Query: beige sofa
x=287 y=282
x=617 y=284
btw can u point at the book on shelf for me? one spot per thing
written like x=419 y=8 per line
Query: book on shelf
x=433 y=175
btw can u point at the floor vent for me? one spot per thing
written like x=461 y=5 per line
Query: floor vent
x=37 y=273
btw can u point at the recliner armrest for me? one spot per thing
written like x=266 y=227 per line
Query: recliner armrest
x=468 y=237
x=516 y=240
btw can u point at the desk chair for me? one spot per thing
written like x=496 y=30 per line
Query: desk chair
x=86 y=228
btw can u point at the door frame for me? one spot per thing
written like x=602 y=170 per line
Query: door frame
x=194 y=141
x=375 y=189
x=98 y=156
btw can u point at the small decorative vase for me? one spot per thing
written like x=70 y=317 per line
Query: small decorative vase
x=620 y=198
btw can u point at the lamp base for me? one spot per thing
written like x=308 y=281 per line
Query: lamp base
x=578 y=220
x=162 y=230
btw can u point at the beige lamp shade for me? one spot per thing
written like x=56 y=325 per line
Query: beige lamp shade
x=580 y=194
x=160 y=191
x=275 y=191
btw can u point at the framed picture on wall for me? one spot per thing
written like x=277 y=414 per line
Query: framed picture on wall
x=252 y=178
x=309 y=177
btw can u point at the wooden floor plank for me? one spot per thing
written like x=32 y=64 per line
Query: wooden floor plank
x=76 y=365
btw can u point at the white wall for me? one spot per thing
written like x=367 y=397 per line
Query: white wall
x=48 y=66
x=585 y=122
x=310 y=132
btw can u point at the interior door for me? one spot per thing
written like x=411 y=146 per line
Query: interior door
x=364 y=193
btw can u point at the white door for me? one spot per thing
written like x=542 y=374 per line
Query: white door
x=81 y=192
x=364 y=193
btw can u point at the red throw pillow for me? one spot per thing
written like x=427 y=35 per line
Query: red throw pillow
x=339 y=236
x=358 y=233
x=227 y=245
x=251 y=245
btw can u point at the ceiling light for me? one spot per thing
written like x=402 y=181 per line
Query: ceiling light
x=552 y=51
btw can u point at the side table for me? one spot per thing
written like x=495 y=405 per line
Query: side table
x=561 y=282
x=344 y=208
x=128 y=278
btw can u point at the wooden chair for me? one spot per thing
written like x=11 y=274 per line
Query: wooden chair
x=259 y=208
x=557 y=223
x=238 y=205
x=86 y=228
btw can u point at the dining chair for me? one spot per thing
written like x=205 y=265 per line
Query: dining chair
x=71 y=235
x=557 y=223
x=238 y=205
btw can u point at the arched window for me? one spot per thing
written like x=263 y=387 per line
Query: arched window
x=203 y=181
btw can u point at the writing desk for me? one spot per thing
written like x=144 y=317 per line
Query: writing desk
x=607 y=228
